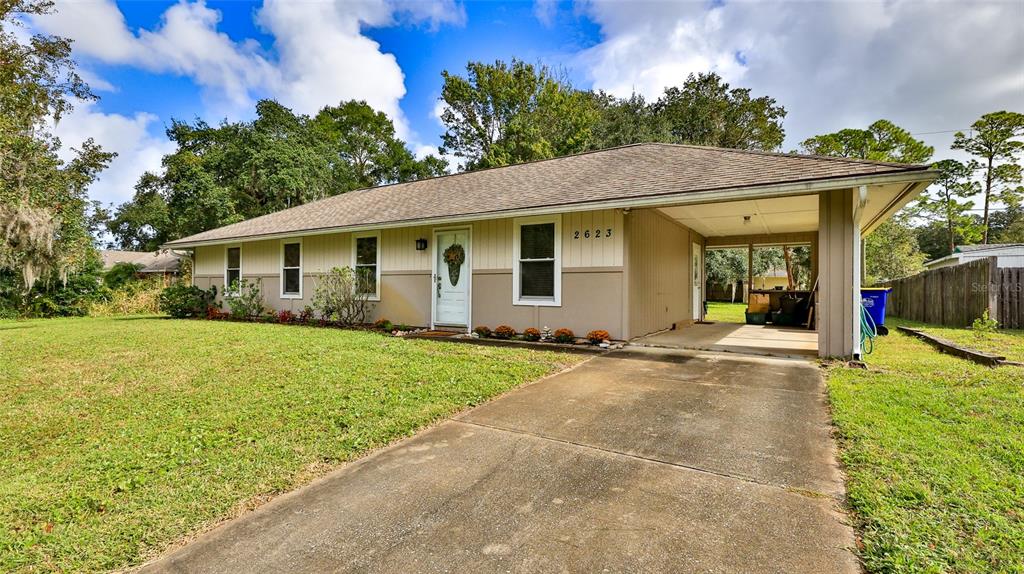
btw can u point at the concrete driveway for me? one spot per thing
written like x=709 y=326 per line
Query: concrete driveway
x=637 y=461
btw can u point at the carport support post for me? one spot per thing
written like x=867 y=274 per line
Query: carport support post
x=859 y=199
x=838 y=272
x=750 y=270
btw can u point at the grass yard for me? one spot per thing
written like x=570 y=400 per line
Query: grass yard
x=122 y=436
x=934 y=452
x=1008 y=342
x=726 y=312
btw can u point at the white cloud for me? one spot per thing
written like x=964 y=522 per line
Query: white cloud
x=186 y=42
x=321 y=57
x=925 y=65
x=545 y=11
x=129 y=136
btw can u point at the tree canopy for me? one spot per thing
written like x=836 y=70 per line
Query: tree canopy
x=44 y=205
x=881 y=141
x=949 y=204
x=501 y=114
x=706 y=111
x=995 y=142
x=239 y=170
x=891 y=251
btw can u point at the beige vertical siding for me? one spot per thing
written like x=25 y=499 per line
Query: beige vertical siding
x=398 y=249
x=658 y=265
x=492 y=241
x=209 y=261
x=598 y=250
x=492 y=244
x=321 y=253
x=835 y=273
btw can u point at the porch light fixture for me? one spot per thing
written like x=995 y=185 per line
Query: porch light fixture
x=746 y=220
x=421 y=244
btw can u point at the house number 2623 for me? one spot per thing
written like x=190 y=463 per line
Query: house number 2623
x=596 y=233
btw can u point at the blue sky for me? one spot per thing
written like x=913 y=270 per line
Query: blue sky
x=931 y=67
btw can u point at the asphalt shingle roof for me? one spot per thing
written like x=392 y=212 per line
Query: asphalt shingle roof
x=633 y=171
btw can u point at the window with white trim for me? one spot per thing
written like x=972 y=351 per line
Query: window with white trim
x=366 y=262
x=537 y=269
x=232 y=268
x=291 y=269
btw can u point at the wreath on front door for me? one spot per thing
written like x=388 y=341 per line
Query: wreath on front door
x=454 y=256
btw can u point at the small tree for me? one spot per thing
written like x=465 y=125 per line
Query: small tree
x=995 y=140
x=338 y=296
x=949 y=203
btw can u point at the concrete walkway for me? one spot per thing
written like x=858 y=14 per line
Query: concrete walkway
x=642 y=460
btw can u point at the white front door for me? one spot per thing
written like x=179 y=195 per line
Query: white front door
x=451 y=277
x=698 y=286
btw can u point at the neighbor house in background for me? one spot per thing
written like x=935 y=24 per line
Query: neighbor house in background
x=1006 y=254
x=612 y=239
x=163 y=262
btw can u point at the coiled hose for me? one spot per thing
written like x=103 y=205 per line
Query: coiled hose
x=868 y=331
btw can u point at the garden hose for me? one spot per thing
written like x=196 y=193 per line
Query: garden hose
x=868 y=331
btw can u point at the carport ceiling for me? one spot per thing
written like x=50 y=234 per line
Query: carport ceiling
x=767 y=216
x=790 y=214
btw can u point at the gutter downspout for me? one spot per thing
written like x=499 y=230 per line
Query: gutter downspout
x=859 y=200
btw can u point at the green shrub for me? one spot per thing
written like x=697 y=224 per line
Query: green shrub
x=180 y=300
x=246 y=299
x=338 y=298
x=383 y=325
x=984 y=325
x=71 y=298
x=121 y=274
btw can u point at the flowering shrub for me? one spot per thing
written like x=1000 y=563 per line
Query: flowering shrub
x=483 y=331
x=504 y=332
x=531 y=334
x=215 y=314
x=598 y=336
x=306 y=316
x=383 y=324
x=565 y=336
x=285 y=317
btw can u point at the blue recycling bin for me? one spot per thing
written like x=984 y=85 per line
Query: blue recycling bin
x=874 y=300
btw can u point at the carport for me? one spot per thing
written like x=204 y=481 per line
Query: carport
x=832 y=222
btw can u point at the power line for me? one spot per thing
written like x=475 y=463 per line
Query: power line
x=943 y=132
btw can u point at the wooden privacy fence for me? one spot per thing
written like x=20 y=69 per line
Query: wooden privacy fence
x=955 y=296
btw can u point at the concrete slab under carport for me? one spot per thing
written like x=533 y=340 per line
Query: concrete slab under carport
x=766 y=340
x=500 y=489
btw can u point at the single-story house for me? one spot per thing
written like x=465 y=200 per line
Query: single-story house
x=611 y=239
x=111 y=257
x=1006 y=254
x=150 y=263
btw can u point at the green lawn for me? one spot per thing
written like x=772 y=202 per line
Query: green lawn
x=124 y=435
x=1008 y=342
x=933 y=448
x=726 y=312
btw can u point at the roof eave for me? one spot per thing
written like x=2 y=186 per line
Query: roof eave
x=912 y=175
